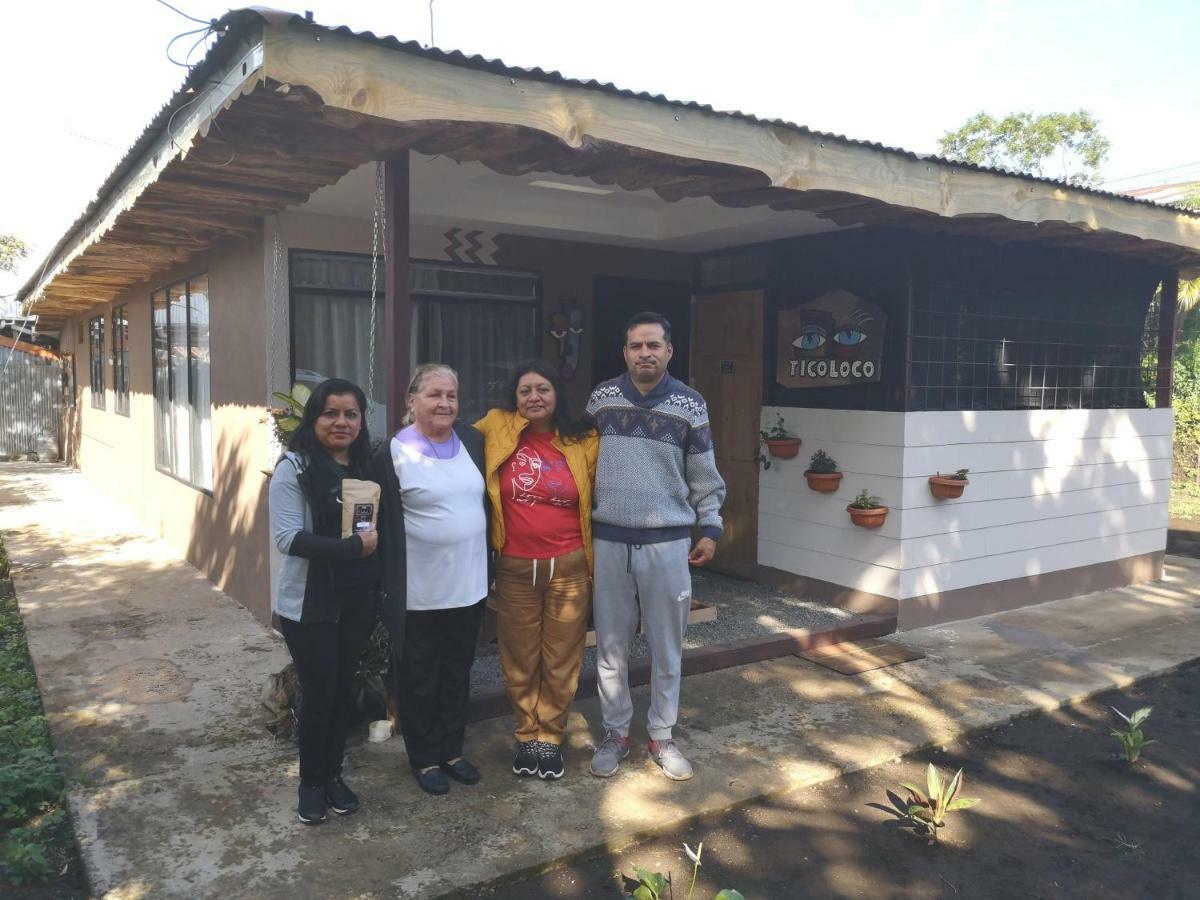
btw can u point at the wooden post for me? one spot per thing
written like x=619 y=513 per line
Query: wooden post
x=1168 y=300
x=396 y=290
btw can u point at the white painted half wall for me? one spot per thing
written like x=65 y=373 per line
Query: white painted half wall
x=1049 y=490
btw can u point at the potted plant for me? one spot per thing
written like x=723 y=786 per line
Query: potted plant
x=948 y=486
x=866 y=511
x=822 y=474
x=286 y=418
x=781 y=443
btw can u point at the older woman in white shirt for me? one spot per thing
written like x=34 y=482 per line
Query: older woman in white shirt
x=433 y=544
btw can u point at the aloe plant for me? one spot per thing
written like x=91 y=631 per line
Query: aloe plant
x=1131 y=738
x=928 y=811
x=287 y=417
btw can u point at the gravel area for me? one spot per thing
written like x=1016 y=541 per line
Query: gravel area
x=744 y=610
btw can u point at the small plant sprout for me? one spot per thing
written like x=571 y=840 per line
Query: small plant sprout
x=864 y=500
x=1131 y=738
x=822 y=463
x=927 y=812
x=656 y=886
x=778 y=431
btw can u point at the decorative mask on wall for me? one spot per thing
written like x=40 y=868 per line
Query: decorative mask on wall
x=833 y=341
x=566 y=327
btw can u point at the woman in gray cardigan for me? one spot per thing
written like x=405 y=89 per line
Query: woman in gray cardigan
x=326 y=594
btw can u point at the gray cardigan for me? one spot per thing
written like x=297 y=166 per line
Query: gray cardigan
x=292 y=530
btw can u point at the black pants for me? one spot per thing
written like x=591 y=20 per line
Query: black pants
x=326 y=656
x=435 y=682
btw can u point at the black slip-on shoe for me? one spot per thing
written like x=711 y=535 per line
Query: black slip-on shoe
x=550 y=761
x=311 y=809
x=340 y=798
x=432 y=781
x=526 y=763
x=461 y=771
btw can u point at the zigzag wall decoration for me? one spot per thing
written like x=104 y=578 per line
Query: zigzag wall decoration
x=473 y=246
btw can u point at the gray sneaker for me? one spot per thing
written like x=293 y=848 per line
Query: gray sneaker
x=607 y=758
x=673 y=763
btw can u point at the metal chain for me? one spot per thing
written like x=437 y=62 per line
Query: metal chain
x=276 y=284
x=378 y=229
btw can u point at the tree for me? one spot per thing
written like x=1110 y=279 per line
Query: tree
x=12 y=251
x=1026 y=142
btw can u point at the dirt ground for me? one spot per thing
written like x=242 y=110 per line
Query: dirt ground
x=1060 y=817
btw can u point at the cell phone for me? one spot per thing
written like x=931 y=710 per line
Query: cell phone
x=363 y=514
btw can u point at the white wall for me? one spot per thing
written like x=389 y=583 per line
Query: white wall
x=1050 y=490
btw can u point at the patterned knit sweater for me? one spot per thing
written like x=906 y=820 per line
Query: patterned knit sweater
x=656 y=476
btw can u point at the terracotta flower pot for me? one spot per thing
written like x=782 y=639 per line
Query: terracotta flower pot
x=867 y=518
x=783 y=448
x=823 y=482
x=947 y=488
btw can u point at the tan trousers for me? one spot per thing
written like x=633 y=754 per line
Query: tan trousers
x=541 y=619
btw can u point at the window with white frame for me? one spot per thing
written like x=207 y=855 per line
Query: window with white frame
x=182 y=395
x=96 y=359
x=120 y=349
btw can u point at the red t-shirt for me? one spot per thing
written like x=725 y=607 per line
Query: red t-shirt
x=540 y=500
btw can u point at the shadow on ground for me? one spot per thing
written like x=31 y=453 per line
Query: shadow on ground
x=1060 y=817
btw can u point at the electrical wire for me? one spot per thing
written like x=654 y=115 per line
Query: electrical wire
x=171 y=43
x=182 y=13
x=1155 y=172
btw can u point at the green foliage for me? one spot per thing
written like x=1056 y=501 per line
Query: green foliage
x=12 y=251
x=656 y=886
x=777 y=432
x=287 y=417
x=864 y=500
x=31 y=787
x=927 y=810
x=822 y=463
x=1026 y=142
x=1131 y=738
x=957 y=475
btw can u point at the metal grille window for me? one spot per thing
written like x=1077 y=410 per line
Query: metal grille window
x=481 y=320
x=96 y=359
x=982 y=350
x=120 y=349
x=182 y=396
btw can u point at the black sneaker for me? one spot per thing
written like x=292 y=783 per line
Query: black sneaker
x=312 y=805
x=526 y=762
x=340 y=798
x=550 y=761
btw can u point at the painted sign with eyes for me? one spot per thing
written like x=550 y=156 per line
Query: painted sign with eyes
x=832 y=341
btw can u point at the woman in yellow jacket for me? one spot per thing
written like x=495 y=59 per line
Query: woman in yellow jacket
x=540 y=468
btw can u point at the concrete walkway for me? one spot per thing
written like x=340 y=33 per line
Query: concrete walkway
x=151 y=680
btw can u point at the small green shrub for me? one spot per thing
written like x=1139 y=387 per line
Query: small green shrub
x=1131 y=738
x=864 y=500
x=822 y=463
x=24 y=858
x=927 y=812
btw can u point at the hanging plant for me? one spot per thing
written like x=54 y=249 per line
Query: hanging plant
x=822 y=474
x=867 y=511
x=781 y=443
x=286 y=418
x=947 y=487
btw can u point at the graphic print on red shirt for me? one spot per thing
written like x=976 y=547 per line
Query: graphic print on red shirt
x=540 y=500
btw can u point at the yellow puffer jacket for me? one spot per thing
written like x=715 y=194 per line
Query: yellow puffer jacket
x=501 y=434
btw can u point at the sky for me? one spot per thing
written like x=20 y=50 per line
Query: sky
x=82 y=79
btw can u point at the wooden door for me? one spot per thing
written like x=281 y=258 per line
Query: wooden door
x=727 y=370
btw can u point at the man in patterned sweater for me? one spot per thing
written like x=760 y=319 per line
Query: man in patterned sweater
x=656 y=478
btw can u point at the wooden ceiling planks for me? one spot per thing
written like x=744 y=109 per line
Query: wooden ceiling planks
x=273 y=148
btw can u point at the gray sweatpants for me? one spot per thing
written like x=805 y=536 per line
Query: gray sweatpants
x=658 y=577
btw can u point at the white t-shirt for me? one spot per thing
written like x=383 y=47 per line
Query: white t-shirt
x=445 y=528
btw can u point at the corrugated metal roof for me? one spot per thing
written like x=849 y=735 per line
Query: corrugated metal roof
x=236 y=23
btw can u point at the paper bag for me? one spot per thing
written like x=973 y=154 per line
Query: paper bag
x=360 y=506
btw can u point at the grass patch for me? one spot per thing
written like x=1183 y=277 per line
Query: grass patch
x=37 y=846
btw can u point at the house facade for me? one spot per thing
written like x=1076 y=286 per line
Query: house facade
x=316 y=202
